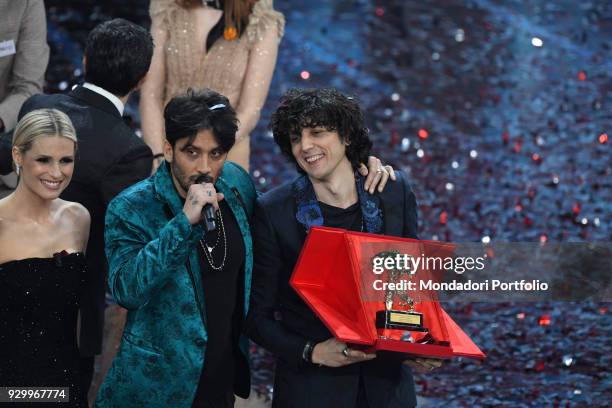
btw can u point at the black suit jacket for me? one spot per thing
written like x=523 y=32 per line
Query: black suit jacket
x=110 y=158
x=281 y=322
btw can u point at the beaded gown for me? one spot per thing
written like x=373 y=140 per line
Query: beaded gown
x=39 y=300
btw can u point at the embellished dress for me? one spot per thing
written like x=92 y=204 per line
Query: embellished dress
x=39 y=302
x=228 y=66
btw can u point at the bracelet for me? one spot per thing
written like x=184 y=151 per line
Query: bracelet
x=307 y=352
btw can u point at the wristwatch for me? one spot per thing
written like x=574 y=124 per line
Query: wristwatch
x=307 y=352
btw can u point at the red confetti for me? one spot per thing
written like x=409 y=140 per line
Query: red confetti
x=576 y=209
x=305 y=75
x=423 y=134
x=379 y=11
x=538 y=367
x=517 y=147
x=527 y=221
x=603 y=310
x=395 y=138
x=520 y=316
x=582 y=76
x=544 y=320
x=543 y=238
x=531 y=193
x=518 y=208
x=443 y=217
x=603 y=138
x=536 y=158
x=490 y=253
x=505 y=137
x=467 y=309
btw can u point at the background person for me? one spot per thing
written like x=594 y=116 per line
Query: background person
x=229 y=46
x=24 y=55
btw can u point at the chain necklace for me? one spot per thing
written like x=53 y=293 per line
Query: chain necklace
x=211 y=248
x=208 y=250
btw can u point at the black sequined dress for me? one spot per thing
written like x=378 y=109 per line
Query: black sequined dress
x=39 y=301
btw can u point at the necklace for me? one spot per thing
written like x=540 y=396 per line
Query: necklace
x=211 y=248
x=208 y=250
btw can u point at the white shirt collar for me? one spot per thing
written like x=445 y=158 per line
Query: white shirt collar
x=116 y=101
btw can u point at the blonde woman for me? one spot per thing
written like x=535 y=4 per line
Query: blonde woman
x=42 y=265
x=229 y=46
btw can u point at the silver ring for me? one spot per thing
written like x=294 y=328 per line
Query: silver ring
x=379 y=170
x=345 y=351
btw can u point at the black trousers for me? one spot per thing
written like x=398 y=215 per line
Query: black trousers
x=225 y=401
x=87 y=369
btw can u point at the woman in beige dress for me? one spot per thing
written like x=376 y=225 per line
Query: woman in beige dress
x=229 y=46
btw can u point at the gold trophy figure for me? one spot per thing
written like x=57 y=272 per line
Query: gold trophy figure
x=390 y=318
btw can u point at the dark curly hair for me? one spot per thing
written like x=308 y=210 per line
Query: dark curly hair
x=185 y=115
x=325 y=107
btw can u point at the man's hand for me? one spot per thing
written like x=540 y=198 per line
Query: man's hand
x=423 y=365
x=377 y=174
x=333 y=353
x=197 y=197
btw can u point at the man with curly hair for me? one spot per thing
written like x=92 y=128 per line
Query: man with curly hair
x=322 y=132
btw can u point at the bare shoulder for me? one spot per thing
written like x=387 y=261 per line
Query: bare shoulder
x=74 y=212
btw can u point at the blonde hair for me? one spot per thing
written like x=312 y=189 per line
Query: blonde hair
x=42 y=123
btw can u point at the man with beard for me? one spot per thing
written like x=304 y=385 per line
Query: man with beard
x=184 y=288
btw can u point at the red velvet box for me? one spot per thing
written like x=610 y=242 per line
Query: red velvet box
x=329 y=278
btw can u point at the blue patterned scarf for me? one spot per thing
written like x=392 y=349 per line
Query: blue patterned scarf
x=309 y=213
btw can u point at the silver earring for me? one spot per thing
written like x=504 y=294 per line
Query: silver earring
x=17 y=169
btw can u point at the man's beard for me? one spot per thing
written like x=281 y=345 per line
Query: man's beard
x=184 y=181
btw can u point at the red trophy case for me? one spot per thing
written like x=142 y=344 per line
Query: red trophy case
x=334 y=276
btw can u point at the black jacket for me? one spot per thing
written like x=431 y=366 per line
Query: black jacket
x=281 y=322
x=110 y=158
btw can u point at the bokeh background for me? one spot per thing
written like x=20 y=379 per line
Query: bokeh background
x=500 y=113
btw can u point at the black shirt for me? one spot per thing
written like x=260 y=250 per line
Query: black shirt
x=223 y=298
x=349 y=218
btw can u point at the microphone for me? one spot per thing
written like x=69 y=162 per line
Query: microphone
x=208 y=212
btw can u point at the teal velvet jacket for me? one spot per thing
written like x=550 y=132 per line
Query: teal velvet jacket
x=164 y=342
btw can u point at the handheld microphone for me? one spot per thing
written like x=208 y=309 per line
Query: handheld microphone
x=208 y=212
